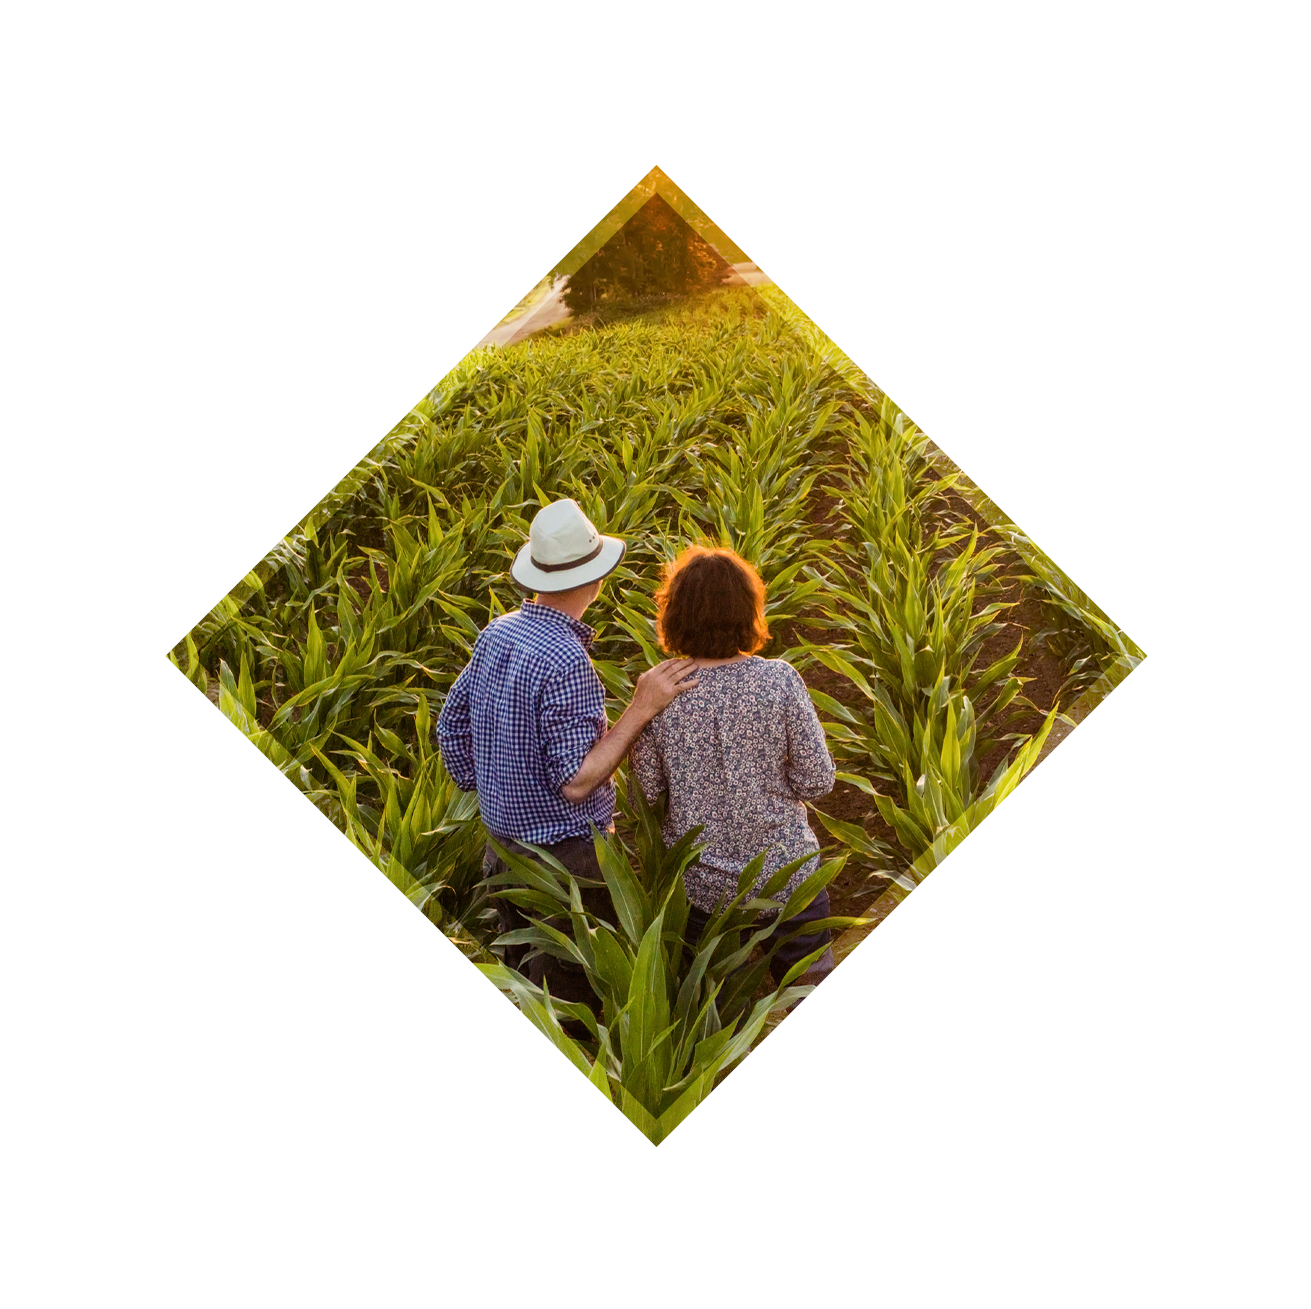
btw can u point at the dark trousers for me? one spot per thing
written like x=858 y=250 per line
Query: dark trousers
x=790 y=952
x=566 y=980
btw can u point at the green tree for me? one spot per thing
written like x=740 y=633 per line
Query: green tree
x=655 y=254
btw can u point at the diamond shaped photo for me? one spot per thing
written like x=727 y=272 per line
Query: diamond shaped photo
x=656 y=656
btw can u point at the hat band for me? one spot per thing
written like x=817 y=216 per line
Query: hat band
x=573 y=563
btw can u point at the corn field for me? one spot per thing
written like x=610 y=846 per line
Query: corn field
x=919 y=618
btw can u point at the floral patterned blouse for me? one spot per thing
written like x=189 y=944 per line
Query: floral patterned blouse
x=738 y=754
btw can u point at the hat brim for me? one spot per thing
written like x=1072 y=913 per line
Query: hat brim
x=532 y=578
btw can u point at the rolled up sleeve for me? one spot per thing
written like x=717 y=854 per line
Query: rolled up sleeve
x=572 y=720
x=810 y=768
x=455 y=734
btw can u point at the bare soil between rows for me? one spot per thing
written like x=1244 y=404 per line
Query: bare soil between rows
x=855 y=892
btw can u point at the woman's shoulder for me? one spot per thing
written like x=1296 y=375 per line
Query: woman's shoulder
x=774 y=678
x=778 y=670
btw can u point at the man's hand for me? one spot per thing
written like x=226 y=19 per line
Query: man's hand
x=659 y=685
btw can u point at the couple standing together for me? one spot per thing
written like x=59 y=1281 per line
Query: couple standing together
x=732 y=738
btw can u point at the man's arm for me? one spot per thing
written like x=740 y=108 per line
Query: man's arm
x=455 y=734
x=655 y=688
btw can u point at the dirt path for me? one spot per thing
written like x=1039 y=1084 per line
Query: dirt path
x=552 y=309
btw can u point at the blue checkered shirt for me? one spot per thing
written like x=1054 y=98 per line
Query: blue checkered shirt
x=519 y=722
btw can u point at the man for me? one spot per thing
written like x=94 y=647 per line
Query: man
x=525 y=723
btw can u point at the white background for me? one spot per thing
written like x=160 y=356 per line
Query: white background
x=240 y=1069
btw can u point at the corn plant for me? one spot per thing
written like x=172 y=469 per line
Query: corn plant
x=917 y=613
x=940 y=812
x=670 y=1019
x=424 y=834
x=1097 y=654
x=719 y=419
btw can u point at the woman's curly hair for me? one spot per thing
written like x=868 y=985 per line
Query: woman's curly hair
x=711 y=605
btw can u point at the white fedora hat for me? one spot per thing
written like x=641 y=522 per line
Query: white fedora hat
x=564 y=550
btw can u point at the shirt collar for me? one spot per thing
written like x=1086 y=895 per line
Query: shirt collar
x=544 y=613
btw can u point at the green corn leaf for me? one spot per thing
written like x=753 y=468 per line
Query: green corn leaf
x=851 y=834
x=629 y=901
x=315 y=653
x=860 y=783
x=647 y=995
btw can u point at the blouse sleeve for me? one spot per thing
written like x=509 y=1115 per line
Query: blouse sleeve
x=646 y=760
x=810 y=770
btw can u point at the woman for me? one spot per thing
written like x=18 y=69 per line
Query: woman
x=740 y=752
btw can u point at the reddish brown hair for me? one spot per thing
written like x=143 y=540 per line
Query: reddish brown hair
x=711 y=605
